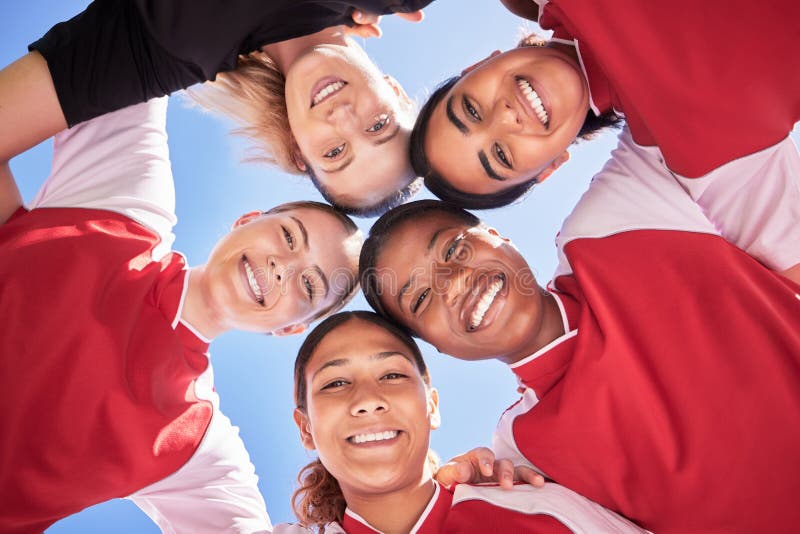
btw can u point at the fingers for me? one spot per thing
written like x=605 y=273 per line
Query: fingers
x=414 y=16
x=359 y=17
x=526 y=474
x=504 y=473
x=455 y=472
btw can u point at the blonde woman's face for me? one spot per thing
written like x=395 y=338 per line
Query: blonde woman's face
x=369 y=413
x=351 y=123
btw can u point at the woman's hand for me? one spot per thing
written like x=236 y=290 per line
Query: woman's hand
x=479 y=465
x=367 y=24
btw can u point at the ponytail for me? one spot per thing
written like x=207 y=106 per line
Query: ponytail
x=319 y=500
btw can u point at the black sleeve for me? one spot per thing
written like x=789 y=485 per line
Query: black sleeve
x=123 y=52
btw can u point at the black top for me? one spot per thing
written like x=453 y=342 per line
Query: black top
x=122 y=52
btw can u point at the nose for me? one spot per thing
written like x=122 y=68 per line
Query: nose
x=457 y=283
x=506 y=116
x=343 y=117
x=368 y=401
x=280 y=270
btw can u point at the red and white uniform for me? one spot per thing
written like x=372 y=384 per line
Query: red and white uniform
x=552 y=509
x=673 y=397
x=106 y=392
x=713 y=86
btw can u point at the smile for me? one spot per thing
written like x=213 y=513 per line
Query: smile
x=255 y=288
x=326 y=88
x=368 y=438
x=532 y=97
x=485 y=301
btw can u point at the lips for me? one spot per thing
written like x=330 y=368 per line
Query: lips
x=532 y=101
x=479 y=309
x=326 y=88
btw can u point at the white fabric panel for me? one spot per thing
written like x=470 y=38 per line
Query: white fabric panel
x=117 y=162
x=754 y=202
x=504 y=445
x=633 y=191
x=576 y=512
x=216 y=490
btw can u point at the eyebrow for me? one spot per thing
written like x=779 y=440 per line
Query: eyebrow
x=340 y=362
x=487 y=167
x=386 y=138
x=452 y=116
x=306 y=246
x=346 y=163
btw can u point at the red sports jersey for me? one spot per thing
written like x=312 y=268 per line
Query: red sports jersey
x=489 y=509
x=673 y=398
x=707 y=82
x=97 y=375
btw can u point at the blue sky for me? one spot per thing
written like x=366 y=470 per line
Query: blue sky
x=254 y=373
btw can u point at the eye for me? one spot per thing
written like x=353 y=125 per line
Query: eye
x=393 y=376
x=501 y=156
x=452 y=248
x=381 y=122
x=287 y=235
x=334 y=384
x=335 y=152
x=308 y=284
x=416 y=304
x=470 y=110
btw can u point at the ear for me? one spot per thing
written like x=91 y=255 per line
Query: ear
x=495 y=233
x=246 y=218
x=550 y=169
x=399 y=91
x=481 y=62
x=433 y=408
x=291 y=330
x=304 y=426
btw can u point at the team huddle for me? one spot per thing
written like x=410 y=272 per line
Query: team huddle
x=658 y=369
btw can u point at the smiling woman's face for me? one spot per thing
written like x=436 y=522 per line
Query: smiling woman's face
x=507 y=120
x=369 y=412
x=351 y=124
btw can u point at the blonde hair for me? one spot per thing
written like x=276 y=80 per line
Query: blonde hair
x=253 y=96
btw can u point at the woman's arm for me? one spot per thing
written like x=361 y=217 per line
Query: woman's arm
x=29 y=108
x=10 y=199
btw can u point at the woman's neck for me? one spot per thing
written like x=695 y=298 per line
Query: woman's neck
x=285 y=53
x=196 y=309
x=396 y=512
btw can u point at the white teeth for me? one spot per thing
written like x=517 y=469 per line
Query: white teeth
x=533 y=100
x=251 y=279
x=380 y=436
x=484 y=302
x=327 y=90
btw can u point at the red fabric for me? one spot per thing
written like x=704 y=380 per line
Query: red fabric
x=707 y=82
x=677 y=404
x=97 y=388
x=473 y=516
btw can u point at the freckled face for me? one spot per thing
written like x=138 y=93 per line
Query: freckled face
x=278 y=269
x=507 y=120
x=369 y=410
x=466 y=290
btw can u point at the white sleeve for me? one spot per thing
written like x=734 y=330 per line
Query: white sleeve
x=504 y=444
x=117 y=162
x=754 y=201
x=633 y=191
x=216 y=490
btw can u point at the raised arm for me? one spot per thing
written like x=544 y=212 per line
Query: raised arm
x=29 y=108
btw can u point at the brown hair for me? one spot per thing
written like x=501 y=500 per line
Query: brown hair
x=319 y=500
